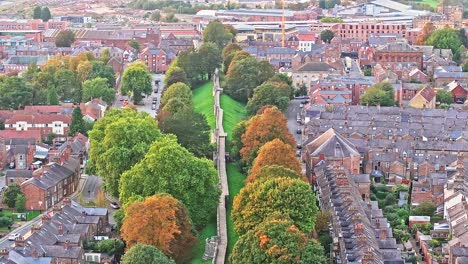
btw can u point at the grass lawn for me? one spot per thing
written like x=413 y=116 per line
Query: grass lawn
x=432 y=3
x=233 y=113
x=203 y=102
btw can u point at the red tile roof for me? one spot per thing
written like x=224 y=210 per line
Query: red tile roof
x=9 y=134
x=43 y=108
x=23 y=116
x=427 y=93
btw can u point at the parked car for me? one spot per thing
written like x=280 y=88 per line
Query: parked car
x=299 y=146
x=13 y=236
x=153 y=107
x=298 y=153
x=155 y=100
x=114 y=205
x=156 y=90
x=298 y=131
x=301 y=105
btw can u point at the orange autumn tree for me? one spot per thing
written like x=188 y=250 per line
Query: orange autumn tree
x=275 y=152
x=426 y=31
x=268 y=125
x=160 y=221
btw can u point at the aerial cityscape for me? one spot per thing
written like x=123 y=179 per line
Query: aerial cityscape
x=234 y=131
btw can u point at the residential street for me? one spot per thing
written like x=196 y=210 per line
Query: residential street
x=92 y=187
x=293 y=110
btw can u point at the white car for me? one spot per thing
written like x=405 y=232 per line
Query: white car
x=114 y=205
x=13 y=236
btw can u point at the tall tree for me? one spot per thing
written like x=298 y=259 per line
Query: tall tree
x=287 y=197
x=45 y=14
x=192 y=131
x=216 y=32
x=83 y=71
x=268 y=94
x=144 y=254
x=136 y=80
x=277 y=241
x=444 y=97
x=236 y=141
x=177 y=90
x=174 y=75
x=426 y=31
x=77 y=124
x=327 y=35
x=379 y=94
x=446 y=39
x=99 y=69
x=10 y=195
x=20 y=203
x=105 y=55
x=98 y=88
x=191 y=63
x=160 y=221
x=14 y=93
x=37 y=12
x=52 y=96
x=65 y=38
x=265 y=127
x=272 y=172
x=211 y=55
x=41 y=83
x=156 y=16
x=118 y=141
x=169 y=168
x=228 y=54
x=135 y=45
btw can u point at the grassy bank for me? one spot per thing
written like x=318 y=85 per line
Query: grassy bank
x=233 y=113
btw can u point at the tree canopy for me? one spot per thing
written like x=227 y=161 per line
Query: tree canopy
x=65 y=38
x=144 y=254
x=45 y=14
x=327 y=35
x=136 y=80
x=118 y=141
x=160 y=221
x=37 y=12
x=77 y=124
x=277 y=241
x=379 y=94
x=11 y=194
x=268 y=94
x=167 y=167
x=426 y=31
x=262 y=128
x=446 y=39
x=287 y=197
x=177 y=90
x=14 y=93
x=444 y=97
x=273 y=171
x=174 y=75
x=228 y=53
x=216 y=32
x=98 y=88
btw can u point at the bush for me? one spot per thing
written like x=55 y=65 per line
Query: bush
x=5 y=221
x=110 y=246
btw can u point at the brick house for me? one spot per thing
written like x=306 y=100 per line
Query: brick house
x=417 y=75
x=398 y=52
x=51 y=183
x=156 y=59
x=310 y=72
x=17 y=176
x=424 y=99
x=457 y=90
x=46 y=123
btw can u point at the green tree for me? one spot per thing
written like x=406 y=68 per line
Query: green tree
x=77 y=124
x=136 y=80
x=331 y=20
x=5 y=221
x=277 y=241
x=444 y=97
x=20 y=203
x=52 y=96
x=174 y=75
x=446 y=39
x=236 y=141
x=191 y=63
x=169 y=168
x=287 y=197
x=110 y=246
x=11 y=194
x=68 y=87
x=105 y=55
x=65 y=38
x=273 y=172
x=425 y=208
x=45 y=14
x=41 y=83
x=192 y=131
x=144 y=254
x=216 y=32
x=37 y=12
x=177 y=90
x=99 y=69
x=379 y=94
x=118 y=141
x=98 y=88
x=245 y=75
x=83 y=70
x=327 y=35
x=155 y=16
x=135 y=45
x=211 y=55
x=268 y=94
x=228 y=53
x=14 y=93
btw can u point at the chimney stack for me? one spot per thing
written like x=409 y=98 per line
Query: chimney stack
x=45 y=218
x=383 y=234
x=377 y=223
x=4 y=252
x=19 y=242
x=67 y=201
x=368 y=257
x=60 y=230
x=35 y=228
x=67 y=244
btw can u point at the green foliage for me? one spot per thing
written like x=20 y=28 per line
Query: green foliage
x=11 y=194
x=37 y=12
x=99 y=69
x=174 y=75
x=268 y=94
x=245 y=75
x=211 y=55
x=216 y=32
x=52 y=96
x=155 y=16
x=326 y=4
x=136 y=80
x=134 y=44
x=423 y=228
x=367 y=72
x=177 y=90
x=228 y=53
x=425 y=208
x=67 y=86
x=444 y=97
x=446 y=39
x=65 y=38
x=379 y=94
x=20 y=203
x=402 y=236
x=144 y=254
x=390 y=199
x=119 y=216
x=327 y=35
x=110 y=246
x=14 y=93
x=5 y=221
x=118 y=141
x=190 y=62
x=288 y=197
x=274 y=171
x=105 y=55
x=277 y=241
x=331 y=20
x=169 y=168
x=45 y=14
x=77 y=124
x=98 y=88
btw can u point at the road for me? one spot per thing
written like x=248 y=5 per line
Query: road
x=293 y=110
x=92 y=187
